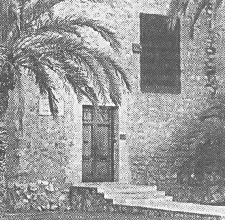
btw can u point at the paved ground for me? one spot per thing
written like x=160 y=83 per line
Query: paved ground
x=73 y=216
x=96 y=216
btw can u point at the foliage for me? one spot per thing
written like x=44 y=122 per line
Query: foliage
x=202 y=139
x=39 y=196
x=178 y=8
x=35 y=39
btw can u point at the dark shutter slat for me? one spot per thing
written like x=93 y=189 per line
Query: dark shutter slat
x=160 y=57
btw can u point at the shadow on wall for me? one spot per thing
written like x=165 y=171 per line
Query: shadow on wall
x=197 y=155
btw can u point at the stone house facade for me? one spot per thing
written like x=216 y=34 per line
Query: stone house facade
x=138 y=132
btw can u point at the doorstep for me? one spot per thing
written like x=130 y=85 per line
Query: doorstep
x=120 y=196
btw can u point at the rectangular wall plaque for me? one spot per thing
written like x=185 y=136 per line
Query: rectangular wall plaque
x=136 y=48
x=44 y=108
x=122 y=136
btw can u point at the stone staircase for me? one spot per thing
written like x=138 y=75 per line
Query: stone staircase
x=127 y=192
x=119 y=196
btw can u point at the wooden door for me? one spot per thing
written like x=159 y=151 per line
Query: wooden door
x=98 y=144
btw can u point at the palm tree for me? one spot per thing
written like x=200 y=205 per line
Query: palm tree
x=178 y=8
x=33 y=39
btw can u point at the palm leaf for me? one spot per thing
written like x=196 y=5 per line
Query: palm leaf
x=218 y=3
x=4 y=98
x=8 y=17
x=176 y=9
x=110 y=75
x=94 y=59
x=58 y=25
x=108 y=63
x=52 y=102
x=201 y=5
x=114 y=87
x=179 y=7
x=121 y=72
x=35 y=8
x=44 y=82
x=107 y=34
x=91 y=66
x=54 y=46
x=83 y=88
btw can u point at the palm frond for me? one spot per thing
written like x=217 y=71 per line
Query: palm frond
x=52 y=102
x=179 y=7
x=110 y=2
x=54 y=45
x=106 y=33
x=101 y=1
x=218 y=3
x=95 y=60
x=44 y=81
x=58 y=25
x=4 y=98
x=108 y=63
x=110 y=75
x=83 y=88
x=201 y=5
x=114 y=87
x=176 y=9
x=33 y=63
x=92 y=68
x=121 y=72
x=35 y=8
x=8 y=17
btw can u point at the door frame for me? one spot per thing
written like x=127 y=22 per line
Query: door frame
x=114 y=139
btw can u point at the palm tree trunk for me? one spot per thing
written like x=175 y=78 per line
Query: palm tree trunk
x=10 y=108
x=4 y=97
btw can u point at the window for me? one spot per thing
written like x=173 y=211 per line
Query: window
x=160 y=56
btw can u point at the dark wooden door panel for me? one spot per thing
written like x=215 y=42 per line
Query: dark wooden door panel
x=97 y=144
x=87 y=140
x=87 y=170
x=103 y=141
x=102 y=171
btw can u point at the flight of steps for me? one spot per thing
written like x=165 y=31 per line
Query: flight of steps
x=147 y=197
x=125 y=193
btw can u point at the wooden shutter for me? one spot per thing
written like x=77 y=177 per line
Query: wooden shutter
x=160 y=57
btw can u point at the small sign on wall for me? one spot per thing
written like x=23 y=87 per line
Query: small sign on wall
x=44 y=108
x=123 y=137
x=136 y=48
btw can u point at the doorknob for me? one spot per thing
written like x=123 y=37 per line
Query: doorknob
x=103 y=159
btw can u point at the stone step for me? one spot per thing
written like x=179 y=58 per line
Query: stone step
x=160 y=203
x=149 y=195
x=120 y=201
x=131 y=189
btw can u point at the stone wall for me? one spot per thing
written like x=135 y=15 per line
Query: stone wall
x=51 y=149
x=152 y=118
x=147 y=119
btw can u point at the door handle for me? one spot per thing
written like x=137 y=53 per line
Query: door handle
x=86 y=142
x=103 y=159
x=87 y=158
